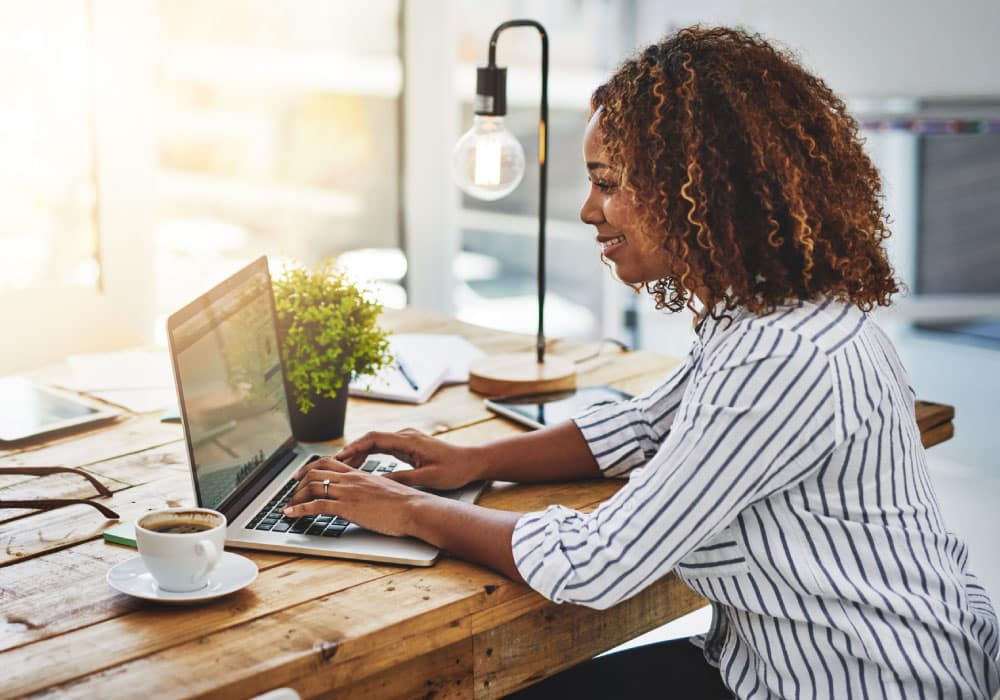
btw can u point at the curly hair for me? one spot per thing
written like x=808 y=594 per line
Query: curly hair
x=752 y=169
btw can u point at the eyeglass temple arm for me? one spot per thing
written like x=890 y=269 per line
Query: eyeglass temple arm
x=50 y=503
x=42 y=471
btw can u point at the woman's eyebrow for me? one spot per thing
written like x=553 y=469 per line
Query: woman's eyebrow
x=594 y=165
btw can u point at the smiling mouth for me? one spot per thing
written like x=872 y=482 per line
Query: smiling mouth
x=611 y=242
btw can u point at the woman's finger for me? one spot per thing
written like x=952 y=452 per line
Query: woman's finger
x=358 y=448
x=399 y=446
x=327 y=464
x=320 y=506
x=312 y=486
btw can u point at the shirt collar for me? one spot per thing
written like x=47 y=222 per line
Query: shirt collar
x=708 y=327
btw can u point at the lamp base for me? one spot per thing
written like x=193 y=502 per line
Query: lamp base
x=521 y=373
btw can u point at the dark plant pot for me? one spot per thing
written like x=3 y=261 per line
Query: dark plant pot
x=325 y=420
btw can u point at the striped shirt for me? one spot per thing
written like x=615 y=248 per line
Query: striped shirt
x=779 y=473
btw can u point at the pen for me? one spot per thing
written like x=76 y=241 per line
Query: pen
x=406 y=373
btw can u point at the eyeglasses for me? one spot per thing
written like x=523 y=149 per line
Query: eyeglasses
x=50 y=503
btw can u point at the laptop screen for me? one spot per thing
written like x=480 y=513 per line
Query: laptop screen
x=229 y=381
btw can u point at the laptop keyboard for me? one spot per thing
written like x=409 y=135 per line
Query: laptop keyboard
x=271 y=518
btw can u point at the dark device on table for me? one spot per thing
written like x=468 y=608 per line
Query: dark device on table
x=540 y=410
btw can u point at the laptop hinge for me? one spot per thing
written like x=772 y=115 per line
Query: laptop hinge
x=258 y=481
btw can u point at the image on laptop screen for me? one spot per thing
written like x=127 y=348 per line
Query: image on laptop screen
x=232 y=386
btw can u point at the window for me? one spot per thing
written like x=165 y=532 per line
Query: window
x=47 y=184
x=278 y=133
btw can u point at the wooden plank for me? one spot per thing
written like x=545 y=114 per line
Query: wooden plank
x=512 y=654
x=487 y=339
x=152 y=628
x=32 y=609
x=338 y=642
x=525 y=498
x=56 y=529
x=456 y=407
x=632 y=371
x=41 y=442
x=345 y=638
x=116 y=474
x=930 y=414
x=452 y=407
x=92 y=560
x=442 y=674
x=483 y=432
x=126 y=437
x=381 y=637
x=50 y=486
x=75 y=563
x=937 y=434
x=143 y=466
x=43 y=625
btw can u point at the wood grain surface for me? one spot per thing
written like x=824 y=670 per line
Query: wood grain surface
x=325 y=627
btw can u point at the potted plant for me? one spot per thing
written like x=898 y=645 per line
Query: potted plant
x=328 y=330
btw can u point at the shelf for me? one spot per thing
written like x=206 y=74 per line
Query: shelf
x=931 y=126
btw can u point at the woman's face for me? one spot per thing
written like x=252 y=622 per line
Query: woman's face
x=637 y=256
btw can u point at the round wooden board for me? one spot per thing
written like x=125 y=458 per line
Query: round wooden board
x=521 y=373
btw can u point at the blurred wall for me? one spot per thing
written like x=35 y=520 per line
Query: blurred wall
x=865 y=48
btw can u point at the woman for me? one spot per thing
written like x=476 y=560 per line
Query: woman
x=779 y=470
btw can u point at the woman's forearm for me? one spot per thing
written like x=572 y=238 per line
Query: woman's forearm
x=483 y=535
x=469 y=532
x=558 y=453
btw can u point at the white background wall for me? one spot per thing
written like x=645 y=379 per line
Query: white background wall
x=866 y=48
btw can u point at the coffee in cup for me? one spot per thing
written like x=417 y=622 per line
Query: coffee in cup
x=179 y=527
x=181 y=546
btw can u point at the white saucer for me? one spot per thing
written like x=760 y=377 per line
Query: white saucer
x=232 y=573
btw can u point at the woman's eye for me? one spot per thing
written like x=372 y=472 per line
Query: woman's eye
x=603 y=185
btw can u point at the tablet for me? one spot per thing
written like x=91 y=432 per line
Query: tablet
x=28 y=409
x=539 y=410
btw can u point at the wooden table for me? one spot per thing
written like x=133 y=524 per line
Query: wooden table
x=327 y=628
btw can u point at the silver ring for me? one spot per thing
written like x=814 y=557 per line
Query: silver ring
x=326 y=488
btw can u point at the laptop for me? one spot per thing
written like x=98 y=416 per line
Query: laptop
x=234 y=407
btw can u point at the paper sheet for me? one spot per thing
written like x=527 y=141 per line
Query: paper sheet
x=434 y=359
x=456 y=352
x=139 y=380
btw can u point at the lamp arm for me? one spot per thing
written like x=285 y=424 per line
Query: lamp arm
x=543 y=147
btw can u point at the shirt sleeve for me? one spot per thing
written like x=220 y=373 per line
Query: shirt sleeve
x=757 y=420
x=625 y=434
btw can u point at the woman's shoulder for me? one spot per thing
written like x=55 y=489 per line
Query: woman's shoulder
x=824 y=325
x=826 y=338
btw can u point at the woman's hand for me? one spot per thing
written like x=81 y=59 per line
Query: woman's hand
x=380 y=504
x=436 y=464
x=372 y=501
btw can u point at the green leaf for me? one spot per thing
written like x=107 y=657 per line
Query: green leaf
x=328 y=329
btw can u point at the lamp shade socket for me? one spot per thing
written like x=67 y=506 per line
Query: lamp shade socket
x=491 y=91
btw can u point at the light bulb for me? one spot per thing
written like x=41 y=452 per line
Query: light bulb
x=488 y=162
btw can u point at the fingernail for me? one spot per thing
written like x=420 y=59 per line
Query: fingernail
x=286 y=511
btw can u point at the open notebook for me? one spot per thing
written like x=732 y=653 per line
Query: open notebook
x=423 y=362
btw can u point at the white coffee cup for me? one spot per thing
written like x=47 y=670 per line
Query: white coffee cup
x=181 y=546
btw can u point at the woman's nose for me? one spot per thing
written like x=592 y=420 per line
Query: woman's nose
x=590 y=212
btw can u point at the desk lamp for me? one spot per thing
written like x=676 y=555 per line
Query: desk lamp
x=488 y=163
